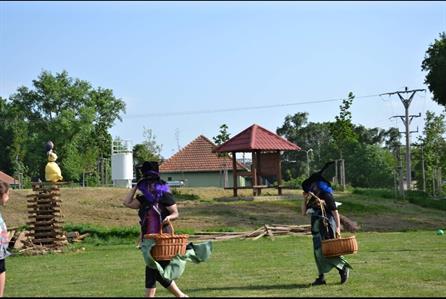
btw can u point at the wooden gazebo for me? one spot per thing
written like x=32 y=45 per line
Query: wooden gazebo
x=265 y=147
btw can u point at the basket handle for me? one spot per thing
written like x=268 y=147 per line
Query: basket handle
x=171 y=228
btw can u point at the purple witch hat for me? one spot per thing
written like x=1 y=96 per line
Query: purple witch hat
x=150 y=172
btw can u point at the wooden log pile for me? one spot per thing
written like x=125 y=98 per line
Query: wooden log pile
x=45 y=217
x=264 y=231
x=22 y=242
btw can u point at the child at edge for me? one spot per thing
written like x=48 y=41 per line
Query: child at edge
x=4 y=241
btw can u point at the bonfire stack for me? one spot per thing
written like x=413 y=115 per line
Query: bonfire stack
x=44 y=215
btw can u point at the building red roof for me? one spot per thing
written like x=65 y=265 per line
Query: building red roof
x=256 y=138
x=8 y=179
x=198 y=156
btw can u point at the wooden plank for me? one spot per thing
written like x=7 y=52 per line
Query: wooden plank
x=44 y=216
x=260 y=186
x=44 y=195
x=43 y=235
x=42 y=212
x=46 y=210
x=46 y=205
x=270 y=234
x=259 y=236
x=46 y=228
x=255 y=232
x=47 y=240
x=45 y=222
x=44 y=201
x=219 y=233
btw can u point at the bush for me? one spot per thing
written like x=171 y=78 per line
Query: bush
x=383 y=193
x=104 y=233
x=295 y=183
x=422 y=199
x=184 y=196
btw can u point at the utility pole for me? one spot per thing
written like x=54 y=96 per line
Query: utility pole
x=407 y=119
x=308 y=161
x=400 y=172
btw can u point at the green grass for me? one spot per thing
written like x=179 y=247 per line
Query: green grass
x=396 y=264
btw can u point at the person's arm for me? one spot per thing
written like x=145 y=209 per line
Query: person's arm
x=338 y=223
x=173 y=213
x=304 y=203
x=130 y=201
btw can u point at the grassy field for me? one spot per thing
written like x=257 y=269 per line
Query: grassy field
x=399 y=253
x=394 y=264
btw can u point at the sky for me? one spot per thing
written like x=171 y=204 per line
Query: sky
x=185 y=68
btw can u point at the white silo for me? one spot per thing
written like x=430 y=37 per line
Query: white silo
x=122 y=163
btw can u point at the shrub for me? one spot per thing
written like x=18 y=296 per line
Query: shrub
x=421 y=198
x=184 y=196
x=384 y=193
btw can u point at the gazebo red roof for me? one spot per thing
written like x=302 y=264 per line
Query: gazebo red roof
x=198 y=156
x=256 y=138
x=8 y=179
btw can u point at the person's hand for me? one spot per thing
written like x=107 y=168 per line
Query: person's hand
x=338 y=232
x=166 y=220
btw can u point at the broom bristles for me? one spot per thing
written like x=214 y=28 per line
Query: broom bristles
x=348 y=224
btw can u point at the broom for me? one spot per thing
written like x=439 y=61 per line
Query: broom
x=347 y=224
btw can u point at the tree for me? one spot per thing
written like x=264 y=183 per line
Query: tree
x=369 y=136
x=369 y=166
x=71 y=113
x=223 y=135
x=149 y=150
x=368 y=162
x=315 y=136
x=435 y=64
x=434 y=146
x=342 y=129
x=221 y=138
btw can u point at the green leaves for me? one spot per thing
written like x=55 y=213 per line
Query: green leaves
x=68 y=111
x=342 y=129
x=435 y=64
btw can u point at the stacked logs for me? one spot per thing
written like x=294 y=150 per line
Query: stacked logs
x=44 y=215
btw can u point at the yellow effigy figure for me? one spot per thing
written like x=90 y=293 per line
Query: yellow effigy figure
x=52 y=170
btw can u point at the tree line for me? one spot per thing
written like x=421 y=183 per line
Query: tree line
x=77 y=117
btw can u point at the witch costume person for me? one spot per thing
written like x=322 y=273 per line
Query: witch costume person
x=156 y=208
x=323 y=228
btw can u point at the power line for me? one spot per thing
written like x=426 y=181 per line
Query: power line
x=155 y=114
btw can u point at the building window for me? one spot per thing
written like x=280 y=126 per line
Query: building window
x=169 y=178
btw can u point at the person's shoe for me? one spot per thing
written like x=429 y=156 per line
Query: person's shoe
x=319 y=281
x=344 y=273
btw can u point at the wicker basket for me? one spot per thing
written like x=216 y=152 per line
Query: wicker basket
x=167 y=245
x=339 y=246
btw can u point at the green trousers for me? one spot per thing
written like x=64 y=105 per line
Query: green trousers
x=195 y=253
x=325 y=264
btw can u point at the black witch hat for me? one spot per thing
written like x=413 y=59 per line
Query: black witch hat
x=315 y=177
x=150 y=170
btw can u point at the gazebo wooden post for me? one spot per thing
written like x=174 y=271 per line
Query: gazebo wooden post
x=254 y=172
x=234 y=174
x=258 y=165
x=279 y=174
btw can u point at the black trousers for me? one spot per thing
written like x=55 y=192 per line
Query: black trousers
x=153 y=275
